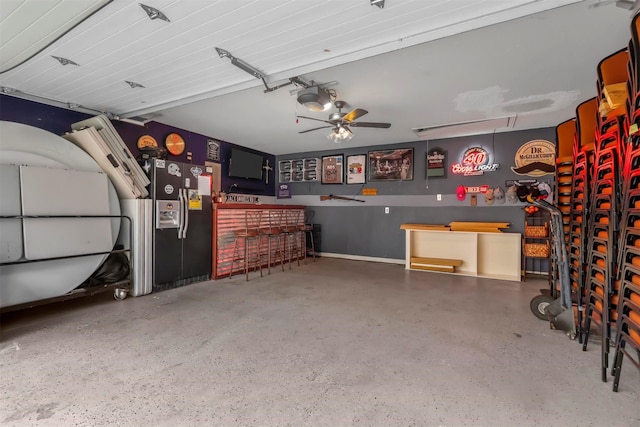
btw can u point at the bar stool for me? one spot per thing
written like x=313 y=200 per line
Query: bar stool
x=249 y=233
x=307 y=229
x=291 y=232
x=271 y=230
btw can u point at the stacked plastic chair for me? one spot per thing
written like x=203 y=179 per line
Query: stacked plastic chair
x=628 y=311
x=629 y=330
x=602 y=250
x=605 y=213
x=583 y=153
x=565 y=137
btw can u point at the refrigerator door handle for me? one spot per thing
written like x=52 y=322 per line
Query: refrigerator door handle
x=181 y=205
x=185 y=197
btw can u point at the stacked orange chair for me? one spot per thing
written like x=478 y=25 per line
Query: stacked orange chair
x=629 y=328
x=606 y=208
x=602 y=251
x=565 y=138
x=583 y=153
x=628 y=298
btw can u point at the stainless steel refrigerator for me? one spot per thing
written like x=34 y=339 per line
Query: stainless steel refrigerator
x=182 y=224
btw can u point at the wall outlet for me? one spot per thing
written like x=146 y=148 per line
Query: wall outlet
x=386 y=209
x=439 y=197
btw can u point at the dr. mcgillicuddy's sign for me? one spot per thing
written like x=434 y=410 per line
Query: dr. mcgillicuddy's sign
x=475 y=161
x=536 y=158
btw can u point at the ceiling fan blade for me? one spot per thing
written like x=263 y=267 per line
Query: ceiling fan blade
x=354 y=114
x=313 y=118
x=370 y=125
x=321 y=127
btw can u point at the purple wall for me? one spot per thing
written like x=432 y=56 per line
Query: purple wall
x=196 y=144
x=58 y=120
x=55 y=120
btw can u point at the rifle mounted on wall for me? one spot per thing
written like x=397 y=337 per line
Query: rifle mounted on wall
x=333 y=197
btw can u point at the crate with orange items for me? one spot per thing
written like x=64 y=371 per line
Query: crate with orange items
x=536 y=250
x=540 y=231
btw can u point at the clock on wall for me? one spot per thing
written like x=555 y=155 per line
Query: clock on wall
x=147 y=141
x=175 y=144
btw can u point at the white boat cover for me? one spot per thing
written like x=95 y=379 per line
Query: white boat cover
x=64 y=180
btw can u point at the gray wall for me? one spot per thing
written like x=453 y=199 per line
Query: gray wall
x=363 y=229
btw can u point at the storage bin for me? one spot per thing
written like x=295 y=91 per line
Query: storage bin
x=536 y=231
x=538 y=250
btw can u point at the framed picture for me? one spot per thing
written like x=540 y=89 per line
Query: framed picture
x=391 y=165
x=333 y=169
x=436 y=163
x=356 y=169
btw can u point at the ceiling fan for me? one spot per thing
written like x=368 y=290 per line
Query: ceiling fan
x=340 y=122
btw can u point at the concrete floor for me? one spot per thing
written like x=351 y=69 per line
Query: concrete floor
x=331 y=343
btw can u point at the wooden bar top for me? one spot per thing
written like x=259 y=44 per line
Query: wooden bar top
x=431 y=227
x=254 y=206
x=479 y=227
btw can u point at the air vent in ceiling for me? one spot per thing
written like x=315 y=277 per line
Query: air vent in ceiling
x=476 y=127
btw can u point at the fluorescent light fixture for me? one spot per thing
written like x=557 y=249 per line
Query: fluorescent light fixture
x=138 y=120
x=475 y=127
x=315 y=98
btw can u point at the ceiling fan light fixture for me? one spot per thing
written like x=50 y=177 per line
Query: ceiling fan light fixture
x=315 y=98
x=340 y=133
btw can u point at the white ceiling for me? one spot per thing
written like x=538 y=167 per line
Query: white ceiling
x=413 y=64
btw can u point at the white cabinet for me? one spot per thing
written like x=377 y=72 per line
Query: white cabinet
x=299 y=170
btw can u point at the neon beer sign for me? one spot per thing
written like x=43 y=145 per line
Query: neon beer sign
x=475 y=161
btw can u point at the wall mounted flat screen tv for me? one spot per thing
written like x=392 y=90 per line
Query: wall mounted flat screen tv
x=244 y=164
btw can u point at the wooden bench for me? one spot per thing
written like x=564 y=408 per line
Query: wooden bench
x=435 y=264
